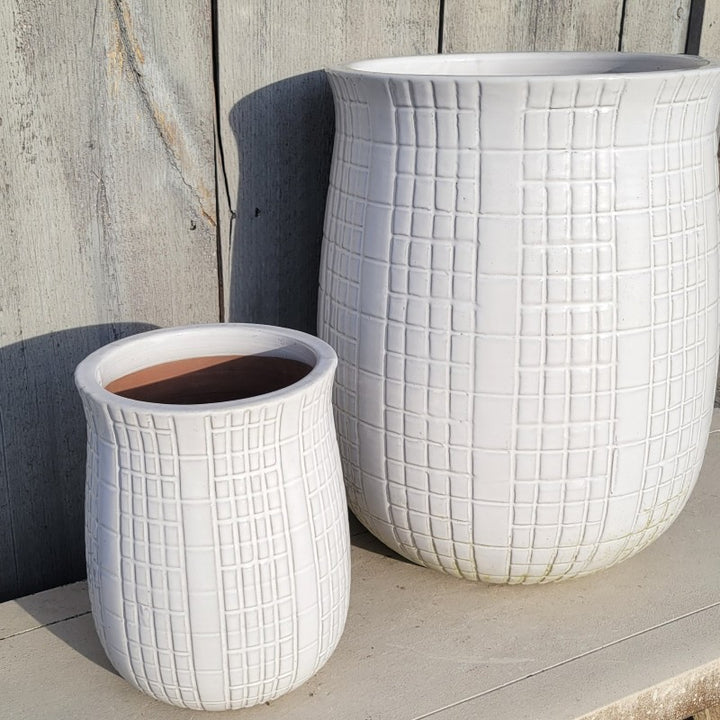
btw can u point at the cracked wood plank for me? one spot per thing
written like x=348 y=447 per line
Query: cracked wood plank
x=275 y=123
x=107 y=184
x=525 y=25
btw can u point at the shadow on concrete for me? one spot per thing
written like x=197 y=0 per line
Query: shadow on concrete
x=360 y=537
x=284 y=134
x=76 y=631
x=79 y=633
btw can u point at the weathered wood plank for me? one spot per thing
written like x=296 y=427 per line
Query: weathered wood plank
x=107 y=182
x=710 y=33
x=525 y=25
x=276 y=123
x=655 y=26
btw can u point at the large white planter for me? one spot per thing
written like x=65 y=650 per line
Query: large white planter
x=217 y=537
x=520 y=277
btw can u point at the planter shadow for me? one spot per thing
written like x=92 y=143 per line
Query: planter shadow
x=42 y=457
x=77 y=632
x=284 y=134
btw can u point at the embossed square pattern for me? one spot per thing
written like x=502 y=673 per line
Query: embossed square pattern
x=520 y=278
x=217 y=537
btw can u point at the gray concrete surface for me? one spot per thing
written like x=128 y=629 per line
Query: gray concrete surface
x=640 y=640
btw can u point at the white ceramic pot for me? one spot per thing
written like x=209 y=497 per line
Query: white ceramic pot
x=217 y=537
x=520 y=277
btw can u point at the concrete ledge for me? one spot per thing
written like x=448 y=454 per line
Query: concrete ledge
x=638 y=641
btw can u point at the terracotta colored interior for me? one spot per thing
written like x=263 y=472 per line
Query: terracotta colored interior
x=196 y=380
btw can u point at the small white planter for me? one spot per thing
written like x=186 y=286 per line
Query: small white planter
x=217 y=537
x=520 y=277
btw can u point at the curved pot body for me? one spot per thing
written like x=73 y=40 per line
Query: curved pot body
x=520 y=277
x=217 y=538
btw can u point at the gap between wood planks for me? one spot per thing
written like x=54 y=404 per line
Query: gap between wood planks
x=221 y=170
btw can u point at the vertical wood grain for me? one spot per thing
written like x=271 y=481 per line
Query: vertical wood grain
x=108 y=227
x=655 y=26
x=526 y=25
x=276 y=124
x=710 y=33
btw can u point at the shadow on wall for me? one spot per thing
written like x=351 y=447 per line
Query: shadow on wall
x=284 y=134
x=42 y=458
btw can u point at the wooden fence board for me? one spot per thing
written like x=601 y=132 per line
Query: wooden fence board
x=655 y=26
x=108 y=227
x=710 y=33
x=487 y=25
x=276 y=122
x=503 y=25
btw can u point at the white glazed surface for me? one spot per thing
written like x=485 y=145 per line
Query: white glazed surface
x=523 y=64
x=216 y=535
x=520 y=277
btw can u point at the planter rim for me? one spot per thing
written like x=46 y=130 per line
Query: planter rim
x=88 y=373
x=515 y=66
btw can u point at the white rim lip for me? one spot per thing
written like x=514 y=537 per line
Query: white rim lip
x=379 y=67
x=88 y=381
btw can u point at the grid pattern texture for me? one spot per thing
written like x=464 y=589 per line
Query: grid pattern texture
x=520 y=280
x=217 y=547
